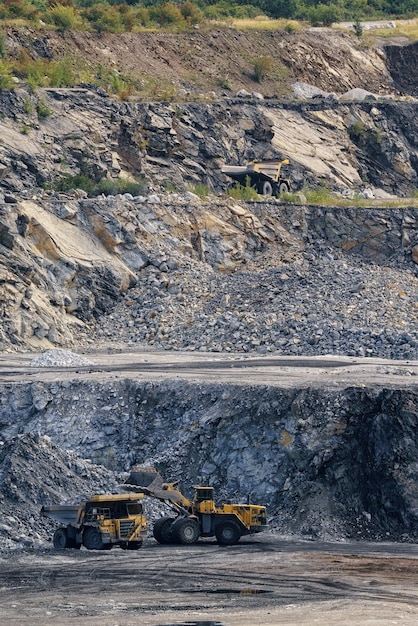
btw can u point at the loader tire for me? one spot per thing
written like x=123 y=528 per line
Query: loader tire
x=227 y=533
x=92 y=540
x=163 y=530
x=60 y=539
x=186 y=531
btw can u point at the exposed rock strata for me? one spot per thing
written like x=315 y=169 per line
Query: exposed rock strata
x=179 y=273
x=329 y=463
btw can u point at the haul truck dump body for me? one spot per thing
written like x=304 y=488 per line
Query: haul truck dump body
x=100 y=522
x=199 y=517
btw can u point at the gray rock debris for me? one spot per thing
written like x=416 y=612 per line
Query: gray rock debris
x=59 y=358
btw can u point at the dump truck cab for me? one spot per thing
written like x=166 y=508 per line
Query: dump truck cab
x=100 y=522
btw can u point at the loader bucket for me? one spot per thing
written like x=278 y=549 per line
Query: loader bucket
x=141 y=476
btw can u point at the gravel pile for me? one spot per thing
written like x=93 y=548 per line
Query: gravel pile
x=59 y=358
x=322 y=303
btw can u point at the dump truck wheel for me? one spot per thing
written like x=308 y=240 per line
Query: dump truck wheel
x=60 y=539
x=163 y=530
x=227 y=533
x=266 y=188
x=92 y=539
x=186 y=531
x=283 y=187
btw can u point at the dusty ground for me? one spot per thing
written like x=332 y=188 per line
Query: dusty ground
x=264 y=580
x=236 y=368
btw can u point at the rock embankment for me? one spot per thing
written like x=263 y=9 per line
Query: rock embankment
x=174 y=272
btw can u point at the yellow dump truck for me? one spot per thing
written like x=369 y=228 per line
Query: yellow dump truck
x=100 y=522
x=269 y=177
x=199 y=517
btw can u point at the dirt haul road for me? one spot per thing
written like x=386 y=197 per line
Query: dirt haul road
x=263 y=580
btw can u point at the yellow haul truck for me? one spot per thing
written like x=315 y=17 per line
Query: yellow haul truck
x=268 y=178
x=199 y=517
x=99 y=523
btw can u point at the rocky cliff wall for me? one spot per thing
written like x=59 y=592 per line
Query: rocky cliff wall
x=328 y=462
x=342 y=142
x=176 y=272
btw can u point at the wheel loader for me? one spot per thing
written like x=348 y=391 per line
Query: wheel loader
x=100 y=522
x=199 y=517
x=268 y=178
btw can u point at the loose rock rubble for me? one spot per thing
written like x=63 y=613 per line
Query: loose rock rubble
x=318 y=305
x=59 y=358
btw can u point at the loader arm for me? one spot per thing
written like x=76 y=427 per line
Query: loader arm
x=149 y=482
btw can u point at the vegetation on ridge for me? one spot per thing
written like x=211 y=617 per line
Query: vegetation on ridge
x=114 y=16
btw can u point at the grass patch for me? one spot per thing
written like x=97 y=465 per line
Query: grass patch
x=323 y=196
x=106 y=186
x=242 y=192
x=200 y=190
x=403 y=28
x=262 y=22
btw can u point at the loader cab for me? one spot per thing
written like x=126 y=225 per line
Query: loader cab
x=203 y=493
x=203 y=499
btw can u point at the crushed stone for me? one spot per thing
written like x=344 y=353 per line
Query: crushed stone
x=59 y=358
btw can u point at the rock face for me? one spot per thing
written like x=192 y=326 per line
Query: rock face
x=180 y=145
x=329 y=463
x=174 y=272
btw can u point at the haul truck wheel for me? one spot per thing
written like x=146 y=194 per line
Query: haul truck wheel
x=227 y=533
x=186 y=531
x=163 y=530
x=61 y=540
x=266 y=188
x=92 y=539
x=283 y=187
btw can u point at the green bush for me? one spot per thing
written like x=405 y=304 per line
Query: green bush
x=6 y=76
x=324 y=14
x=60 y=73
x=3 y=48
x=20 y=9
x=262 y=67
x=105 y=186
x=166 y=14
x=79 y=181
x=42 y=109
x=104 y=18
x=358 y=28
x=200 y=190
x=191 y=13
x=63 y=17
x=223 y=9
x=242 y=192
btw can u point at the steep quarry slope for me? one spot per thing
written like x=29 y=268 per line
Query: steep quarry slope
x=220 y=59
x=331 y=456
x=343 y=143
x=179 y=273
